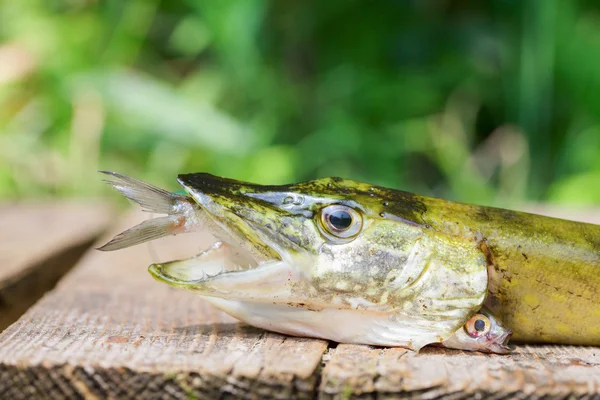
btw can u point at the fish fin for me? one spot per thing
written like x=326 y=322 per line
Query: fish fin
x=151 y=198
x=148 y=230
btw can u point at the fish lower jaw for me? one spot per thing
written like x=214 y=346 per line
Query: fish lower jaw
x=179 y=272
x=217 y=260
x=261 y=283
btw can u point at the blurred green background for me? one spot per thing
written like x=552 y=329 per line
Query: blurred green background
x=494 y=102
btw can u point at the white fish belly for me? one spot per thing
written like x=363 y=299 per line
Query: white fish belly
x=339 y=325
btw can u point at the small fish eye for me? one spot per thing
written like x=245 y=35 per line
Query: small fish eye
x=479 y=325
x=340 y=222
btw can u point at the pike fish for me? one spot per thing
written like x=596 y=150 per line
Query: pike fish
x=357 y=263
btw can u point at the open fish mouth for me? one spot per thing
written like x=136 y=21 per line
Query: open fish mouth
x=501 y=344
x=239 y=215
x=211 y=263
x=250 y=249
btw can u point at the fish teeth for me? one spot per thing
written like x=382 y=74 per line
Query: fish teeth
x=216 y=273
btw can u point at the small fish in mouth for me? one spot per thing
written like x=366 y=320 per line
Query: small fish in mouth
x=330 y=258
x=483 y=332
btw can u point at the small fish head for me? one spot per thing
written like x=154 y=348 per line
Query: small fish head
x=484 y=333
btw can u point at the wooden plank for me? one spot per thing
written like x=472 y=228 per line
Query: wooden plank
x=531 y=372
x=38 y=244
x=110 y=330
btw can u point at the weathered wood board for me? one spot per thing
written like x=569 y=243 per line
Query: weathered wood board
x=109 y=330
x=38 y=244
x=531 y=372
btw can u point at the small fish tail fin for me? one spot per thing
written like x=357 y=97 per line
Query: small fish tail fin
x=148 y=230
x=151 y=198
x=179 y=209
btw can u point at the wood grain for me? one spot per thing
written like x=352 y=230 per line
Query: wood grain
x=39 y=243
x=531 y=372
x=109 y=330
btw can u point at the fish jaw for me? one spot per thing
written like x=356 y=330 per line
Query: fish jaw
x=499 y=346
x=268 y=281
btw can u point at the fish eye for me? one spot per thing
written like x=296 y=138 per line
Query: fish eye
x=479 y=325
x=340 y=221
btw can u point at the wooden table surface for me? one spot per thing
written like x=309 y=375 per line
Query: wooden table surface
x=108 y=330
x=39 y=243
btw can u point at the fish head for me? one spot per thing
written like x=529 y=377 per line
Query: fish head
x=323 y=228
x=483 y=332
x=333 y=243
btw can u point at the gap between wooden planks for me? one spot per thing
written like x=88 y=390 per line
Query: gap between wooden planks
x=39 y=243
x=110 y=330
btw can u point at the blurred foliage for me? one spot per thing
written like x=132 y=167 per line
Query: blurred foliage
x=491 y=102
